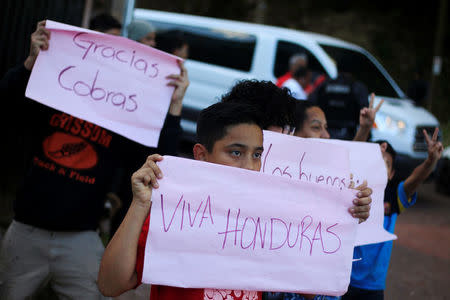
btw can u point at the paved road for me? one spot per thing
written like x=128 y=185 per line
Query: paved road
x=420 y=264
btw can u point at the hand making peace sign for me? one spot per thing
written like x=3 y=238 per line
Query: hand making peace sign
x=435 y=147
x=367 y=114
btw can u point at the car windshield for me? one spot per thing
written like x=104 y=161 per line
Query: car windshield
x=362 y=69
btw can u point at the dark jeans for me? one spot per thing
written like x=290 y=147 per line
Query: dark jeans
x=354 y=293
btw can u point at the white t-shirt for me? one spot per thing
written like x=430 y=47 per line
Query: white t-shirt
x=295 y=88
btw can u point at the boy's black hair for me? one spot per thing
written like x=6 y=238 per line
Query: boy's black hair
x=275 y=104
x=170 y=40
x=389 y=148
x=104 y=22
x=300 y=113
x=215 y=120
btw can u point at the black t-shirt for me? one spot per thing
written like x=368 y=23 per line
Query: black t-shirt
x=72 y=163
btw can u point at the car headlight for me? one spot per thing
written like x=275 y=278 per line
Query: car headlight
x=389 y=123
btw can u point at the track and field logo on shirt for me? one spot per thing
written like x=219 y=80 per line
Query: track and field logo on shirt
x=70 y=151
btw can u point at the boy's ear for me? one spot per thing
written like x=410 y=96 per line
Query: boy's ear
x=200 y=152
x=383 y=146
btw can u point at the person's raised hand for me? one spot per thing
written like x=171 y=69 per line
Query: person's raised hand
x=39 y=41
x=145 y=179
x=367 y=114
x=435 y=148
x=181 y=83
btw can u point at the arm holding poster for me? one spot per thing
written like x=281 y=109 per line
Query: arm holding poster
x=172 y=131
x=117 y=270
x=39 y=41
x=180 y=83
x=15 y=80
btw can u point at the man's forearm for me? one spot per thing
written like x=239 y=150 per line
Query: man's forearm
x=362 y=135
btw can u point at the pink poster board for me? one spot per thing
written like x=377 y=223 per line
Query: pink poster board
x=313 y=160
x=366 y=163
x=108 y=80
x=213 y=226
x=305 y=160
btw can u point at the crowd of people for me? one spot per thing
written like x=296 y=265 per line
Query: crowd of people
x=54 y=239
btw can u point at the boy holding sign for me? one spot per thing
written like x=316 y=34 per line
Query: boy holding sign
x=229 y=134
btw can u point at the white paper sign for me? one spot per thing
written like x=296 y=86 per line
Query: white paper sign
x=213 y=226
x=366 y=163
x=108 y=80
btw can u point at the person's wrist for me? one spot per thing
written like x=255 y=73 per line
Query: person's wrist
x=141 y=204
x=430 y=162
x=29 y=62
x=175 y=108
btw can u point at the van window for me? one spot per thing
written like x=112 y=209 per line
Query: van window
x=224 y=48
x=284 y=52
x=362 y=69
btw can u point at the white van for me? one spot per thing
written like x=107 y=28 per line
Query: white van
x=222 y=52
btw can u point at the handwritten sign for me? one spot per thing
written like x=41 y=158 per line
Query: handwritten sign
x=317 y=161
x=111 y=81
x=366 y=163
x=213 y=226
x=306 y=160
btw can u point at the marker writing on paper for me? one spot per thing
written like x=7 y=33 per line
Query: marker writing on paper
x=253 y=232
x=90 y=47
x=186 y=213
x=302 y=174
x=91 y=89
x=247 y=232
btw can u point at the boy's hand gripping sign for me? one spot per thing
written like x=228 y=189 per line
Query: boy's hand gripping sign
x=111 y=81
x=213 y=226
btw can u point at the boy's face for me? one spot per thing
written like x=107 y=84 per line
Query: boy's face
x=315 y=125
x=241 y=147
x=388 y=161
